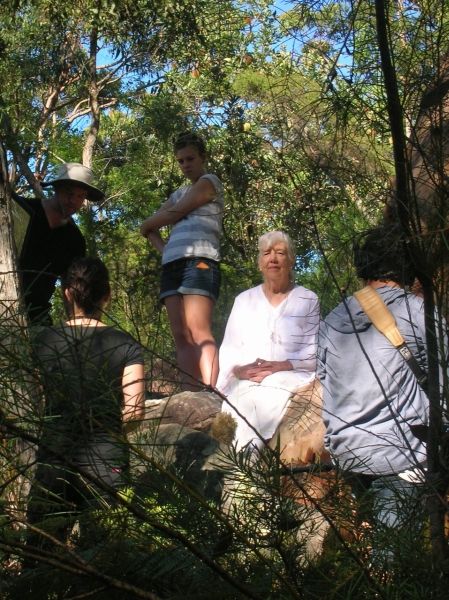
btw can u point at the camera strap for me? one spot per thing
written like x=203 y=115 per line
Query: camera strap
x=383 y=320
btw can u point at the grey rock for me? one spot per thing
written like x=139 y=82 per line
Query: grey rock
x=195 y=410
x=185 y=452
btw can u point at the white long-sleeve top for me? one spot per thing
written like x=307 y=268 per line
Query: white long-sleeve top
x=256 y=329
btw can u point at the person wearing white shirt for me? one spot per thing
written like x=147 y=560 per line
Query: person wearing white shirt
x=269 y=346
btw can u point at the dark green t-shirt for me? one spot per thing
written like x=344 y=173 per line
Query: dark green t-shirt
x=81 y=370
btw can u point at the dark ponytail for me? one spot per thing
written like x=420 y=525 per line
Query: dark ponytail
x=87 y=280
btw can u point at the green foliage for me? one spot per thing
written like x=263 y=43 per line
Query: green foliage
x=292 y=105
x=166 y=536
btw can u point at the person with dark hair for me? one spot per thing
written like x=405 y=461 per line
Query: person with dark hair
x=190 y=279
x=92 y=377
x=372 y=400
x=381 y=254
x=47 y=238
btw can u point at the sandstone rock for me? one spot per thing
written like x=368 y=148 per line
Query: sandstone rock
x=187 y=452
x=195 y=410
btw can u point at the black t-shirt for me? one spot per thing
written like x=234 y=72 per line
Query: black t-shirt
x=44 y=254
x=82 y=369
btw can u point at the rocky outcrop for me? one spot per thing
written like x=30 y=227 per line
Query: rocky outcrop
x=195 y=410
x=183 y=432
x=175 y=436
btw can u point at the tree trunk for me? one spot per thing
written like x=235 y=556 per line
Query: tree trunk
x=16 y=455
x=408 y=204
x=9 y=283
x=94 y=91
x=88 y=218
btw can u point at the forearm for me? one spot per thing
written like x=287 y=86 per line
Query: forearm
x=132 y=416
x=171 y=212
x=282 y=365
x=133 y=384
x=163 y=216
x=306 y=364
x=155 y=239
x=131 y=425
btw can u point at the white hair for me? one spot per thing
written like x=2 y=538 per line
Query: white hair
x=269 y=239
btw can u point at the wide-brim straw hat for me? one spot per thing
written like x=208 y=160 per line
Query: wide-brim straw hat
x=80 y=175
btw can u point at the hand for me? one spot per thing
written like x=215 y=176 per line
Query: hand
x=145 y=228
x=249 y=371
x=260 y=368
x=264 y=368
x=155 y=239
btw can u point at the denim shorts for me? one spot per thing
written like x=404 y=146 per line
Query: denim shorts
x=195 y=275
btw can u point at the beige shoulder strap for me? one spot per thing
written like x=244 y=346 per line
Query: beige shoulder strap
x=379 y=315
x=383 y=320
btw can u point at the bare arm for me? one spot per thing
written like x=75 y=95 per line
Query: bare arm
x=199 y=194
x=145 y=228
x=133 y=385
x=155 y=239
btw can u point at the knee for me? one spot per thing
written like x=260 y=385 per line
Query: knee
x=201 y=334
x=204 y=342
x=182 y=337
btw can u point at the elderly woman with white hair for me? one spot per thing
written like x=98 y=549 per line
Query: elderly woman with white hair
x=269 y=346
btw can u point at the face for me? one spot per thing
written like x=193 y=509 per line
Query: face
x=191 y=162
x=70 y=198
x=274 y=262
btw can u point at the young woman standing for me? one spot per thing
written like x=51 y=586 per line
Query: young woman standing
x=190 y=270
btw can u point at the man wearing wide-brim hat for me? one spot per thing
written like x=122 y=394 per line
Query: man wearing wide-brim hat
x=47 y=238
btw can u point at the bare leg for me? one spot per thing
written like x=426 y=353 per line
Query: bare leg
x=186 y=350
x=198 y=317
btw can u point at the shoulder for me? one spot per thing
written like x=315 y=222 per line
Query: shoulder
x=249 y=295
x=399 y=299
x=39 y=333
x=414 y=300
x=29 y=204
x=339 y=319
x=73 y=227
x=73 y=238
x=47 y=339
x=300 y=292
x=249 y=300
x=121 y=339
x=409 y=308
x=116 y=334
x=213 y=179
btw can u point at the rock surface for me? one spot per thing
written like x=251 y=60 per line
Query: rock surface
x=174 y=435
x=190 y=409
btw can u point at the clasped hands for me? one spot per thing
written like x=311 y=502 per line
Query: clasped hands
x=260 y=368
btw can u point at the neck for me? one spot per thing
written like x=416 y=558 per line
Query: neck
x=277 y=287
x=85 y=320
x=53 y=213
x=276 y=292
x=195 y=179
